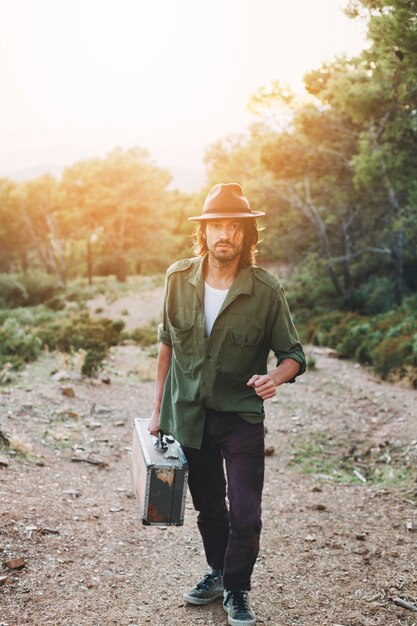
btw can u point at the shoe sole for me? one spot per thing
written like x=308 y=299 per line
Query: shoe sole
x=202 y=601
x=238 y=622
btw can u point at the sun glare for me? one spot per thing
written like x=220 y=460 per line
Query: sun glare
x=170 y=75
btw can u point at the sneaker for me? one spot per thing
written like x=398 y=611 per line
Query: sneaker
x=208 y=589
x=236 y=604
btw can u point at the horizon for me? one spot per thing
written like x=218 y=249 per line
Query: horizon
x=83 y=78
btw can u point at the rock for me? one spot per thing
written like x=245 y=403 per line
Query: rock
x=116 y=509
x=60 y=375
x=119 y=423
x=319 y=507
x=16 y=563
x=4 y=439
x=73 y=493
x=70 y=414
x=269 y=450
x=105 y=378
x=3 y=579
x=4 y=462
x=100 y=409
x=68 y=392
x=333 y=354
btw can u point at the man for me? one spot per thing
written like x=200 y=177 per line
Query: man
x=221 y=317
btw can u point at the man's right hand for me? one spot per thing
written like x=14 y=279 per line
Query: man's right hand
x=153 y=425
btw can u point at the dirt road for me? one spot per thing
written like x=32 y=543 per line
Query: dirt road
x=332 y=554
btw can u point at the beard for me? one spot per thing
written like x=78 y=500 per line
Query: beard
x=226 y=252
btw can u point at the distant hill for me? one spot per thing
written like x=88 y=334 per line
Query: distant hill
x=35 y=171
x=185 y=179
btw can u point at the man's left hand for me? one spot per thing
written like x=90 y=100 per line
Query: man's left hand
x=264 y=385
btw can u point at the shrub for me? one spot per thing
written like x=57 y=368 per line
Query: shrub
x=393 y=354
x=17 y=345
x=29 y=289
x=145 y=335
x=12 y=292
x=40 y=287
x=375 y=296
x=95 y=336
x=387 y=341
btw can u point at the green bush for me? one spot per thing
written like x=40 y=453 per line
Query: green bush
x=17 y=345
x=145 y=335
x=40 y=287
x=29 y=289
x=375 y=296
x=387 y=341
x=12 y=292
x=394 y=355
x=95 y=336
x=28 y=316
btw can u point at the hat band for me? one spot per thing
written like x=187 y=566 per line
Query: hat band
x=236 y=210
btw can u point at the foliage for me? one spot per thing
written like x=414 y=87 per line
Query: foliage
x=17 y=345
x=26 y=331
x=387 y=341
x=145 y=336
x=343 y=462
x=28 y=289
x=81 y=332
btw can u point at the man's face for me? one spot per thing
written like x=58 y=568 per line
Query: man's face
x=224 y=239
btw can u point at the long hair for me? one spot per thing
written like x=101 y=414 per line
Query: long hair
x=250 y=239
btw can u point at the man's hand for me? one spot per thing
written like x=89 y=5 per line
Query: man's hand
x=153 y=425
x=263 y=385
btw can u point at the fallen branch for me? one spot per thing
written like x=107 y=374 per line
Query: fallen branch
x=78 y=459
x=405 y=605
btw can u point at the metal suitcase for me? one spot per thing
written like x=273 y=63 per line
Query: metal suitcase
x=160 y=474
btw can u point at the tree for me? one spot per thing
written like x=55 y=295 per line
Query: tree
x=123 y=195
x=380 y=96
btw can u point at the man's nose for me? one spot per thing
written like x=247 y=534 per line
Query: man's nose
x=225 y=232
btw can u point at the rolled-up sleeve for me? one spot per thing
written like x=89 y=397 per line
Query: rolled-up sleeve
x=163 y=328
x=284 y=339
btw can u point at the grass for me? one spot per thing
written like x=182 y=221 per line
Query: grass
x=80 y=291
x=344 y=462
x=16 y=447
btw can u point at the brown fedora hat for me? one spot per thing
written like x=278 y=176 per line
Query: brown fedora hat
x=226 y=201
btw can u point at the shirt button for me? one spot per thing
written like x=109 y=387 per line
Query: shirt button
x=208 y=357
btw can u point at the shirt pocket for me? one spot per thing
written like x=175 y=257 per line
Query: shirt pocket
x=183 y=345
x=241 y=349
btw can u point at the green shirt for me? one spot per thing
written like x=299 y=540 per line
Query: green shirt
x=212 y=372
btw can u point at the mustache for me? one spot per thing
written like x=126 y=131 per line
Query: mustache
x=224 y=242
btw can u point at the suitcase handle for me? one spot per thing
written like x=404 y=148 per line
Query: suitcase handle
x=162 y=441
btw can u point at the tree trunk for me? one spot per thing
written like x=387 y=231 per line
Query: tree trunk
x=121 y=269
x=307 y=207
x=397 y=255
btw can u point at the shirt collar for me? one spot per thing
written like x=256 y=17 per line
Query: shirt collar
x=243 y=283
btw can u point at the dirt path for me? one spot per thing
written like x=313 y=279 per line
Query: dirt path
x=332 y=554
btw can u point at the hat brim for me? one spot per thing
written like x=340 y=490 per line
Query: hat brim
x=226 y=216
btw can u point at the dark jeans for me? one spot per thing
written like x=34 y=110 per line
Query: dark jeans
x=230 y=537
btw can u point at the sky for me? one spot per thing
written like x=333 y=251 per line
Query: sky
x=80 y=77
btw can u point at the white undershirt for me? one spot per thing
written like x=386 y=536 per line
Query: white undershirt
x=213 y=300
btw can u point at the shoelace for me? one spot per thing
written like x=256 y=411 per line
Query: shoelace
x=240 y=598
x=206 y=581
